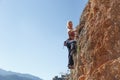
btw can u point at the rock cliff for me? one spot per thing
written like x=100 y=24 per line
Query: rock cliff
x=98 y=53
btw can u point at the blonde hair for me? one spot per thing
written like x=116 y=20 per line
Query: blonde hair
x=68 y=23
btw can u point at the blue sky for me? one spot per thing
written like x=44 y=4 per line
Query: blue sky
x=32 y=34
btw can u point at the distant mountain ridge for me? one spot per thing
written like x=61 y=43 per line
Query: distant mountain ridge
x=9 y=75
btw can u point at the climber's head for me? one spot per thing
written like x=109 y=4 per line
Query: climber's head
x=69 y=25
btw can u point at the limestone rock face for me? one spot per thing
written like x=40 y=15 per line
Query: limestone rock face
x=98 y=56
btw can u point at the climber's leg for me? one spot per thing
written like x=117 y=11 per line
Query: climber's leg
x=71 y=62
x=73 y=45
x=70 y=45
x=73 y=49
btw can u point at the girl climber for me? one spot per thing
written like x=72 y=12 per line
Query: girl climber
x=70 y=43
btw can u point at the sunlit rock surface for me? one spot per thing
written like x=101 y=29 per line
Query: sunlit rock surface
x=98 y=53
